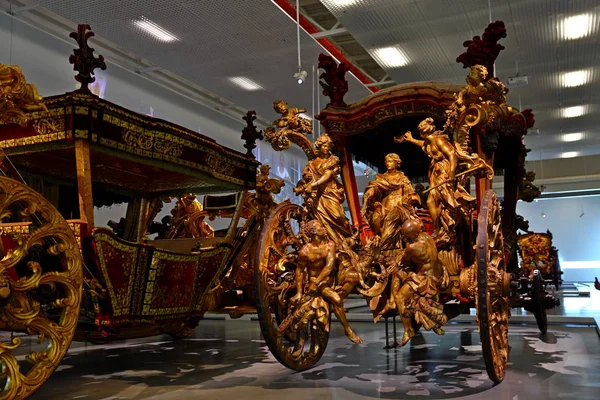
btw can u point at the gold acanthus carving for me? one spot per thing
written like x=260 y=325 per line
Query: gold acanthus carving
x=261 y=203
x=216 y=164
x=290 y=128
x=17 y=97
x=146 y=140
x=47 y=126
x=24 y=310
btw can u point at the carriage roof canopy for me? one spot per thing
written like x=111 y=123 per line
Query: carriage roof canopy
x=130 y=152
x=368 y=126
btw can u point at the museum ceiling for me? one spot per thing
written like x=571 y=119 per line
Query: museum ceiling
x=255 y=42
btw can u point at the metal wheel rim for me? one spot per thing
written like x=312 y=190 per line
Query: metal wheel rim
x=492 y=304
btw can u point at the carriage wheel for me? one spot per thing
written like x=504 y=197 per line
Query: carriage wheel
x=493 y=287
x=537 y=296
x=274 y=283
x=40 y=290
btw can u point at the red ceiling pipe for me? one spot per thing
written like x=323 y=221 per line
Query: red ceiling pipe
x=286 y=6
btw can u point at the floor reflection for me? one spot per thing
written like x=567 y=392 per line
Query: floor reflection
x=229 y=358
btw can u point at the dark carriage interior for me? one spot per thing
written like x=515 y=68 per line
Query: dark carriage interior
x=53 y=173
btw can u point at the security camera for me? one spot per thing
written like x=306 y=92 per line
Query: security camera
x=300 y=77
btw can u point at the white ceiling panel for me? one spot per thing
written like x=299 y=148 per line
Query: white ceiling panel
x=432 y=32
x=217 y=40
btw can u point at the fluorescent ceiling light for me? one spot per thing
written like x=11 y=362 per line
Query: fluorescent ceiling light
x=572 y=112
x=155 y=30
x=577 y=26
x=572 y=137
x=391 y=57
x=305 y=115
x=245 y=83
x=342 y=3
x=576 y=78
x=569 y=154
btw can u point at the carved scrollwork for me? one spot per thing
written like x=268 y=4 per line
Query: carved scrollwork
x=17 y=96
x=290 y=128
x=45 y=293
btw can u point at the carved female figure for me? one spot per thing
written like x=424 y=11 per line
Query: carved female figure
x=388 y=202
x=445 y=193
x=325 y=191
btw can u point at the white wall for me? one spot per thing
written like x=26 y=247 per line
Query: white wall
x=576 y=238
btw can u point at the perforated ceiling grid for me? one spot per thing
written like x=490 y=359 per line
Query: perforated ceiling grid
x=431 y=33
x=253 y=38
x=218 y=39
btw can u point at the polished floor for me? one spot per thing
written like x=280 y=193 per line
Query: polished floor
x=229 y=359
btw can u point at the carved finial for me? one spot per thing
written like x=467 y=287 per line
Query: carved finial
x=83 y=59
x=485 y=49
x=335 y=85
x=250 y=134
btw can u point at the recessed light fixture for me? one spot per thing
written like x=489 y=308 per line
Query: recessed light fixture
x=342 y=3
x=155 y=30
x=572 y=137
x=569 y=154
x=572 y=112
x=577 y=26
x=576 y=78
x=245 y=83
x=391 y=57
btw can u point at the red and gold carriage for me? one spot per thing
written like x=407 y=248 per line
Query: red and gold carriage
x=64 y=277
x=540 y=269
x=426 y=256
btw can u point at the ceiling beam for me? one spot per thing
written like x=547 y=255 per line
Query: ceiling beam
x=389 y=82
x=330 y=32
x=19 y=10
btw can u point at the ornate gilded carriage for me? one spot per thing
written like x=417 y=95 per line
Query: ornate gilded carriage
x=425 y=255
x=64 y=277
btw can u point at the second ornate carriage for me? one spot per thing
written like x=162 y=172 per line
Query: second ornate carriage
x=427 y=255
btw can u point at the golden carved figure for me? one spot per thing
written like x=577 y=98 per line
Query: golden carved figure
x=323 y=193
x=317 y=258
x=290 y=128
x=388 y=202
x=261 y=202
x=475 y=91
x=17 y=96
x=290 y=117
x=188 y=219
x=423 y=276
x=447 y=194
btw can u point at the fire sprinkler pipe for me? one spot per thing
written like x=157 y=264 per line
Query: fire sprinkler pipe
x=291 y=11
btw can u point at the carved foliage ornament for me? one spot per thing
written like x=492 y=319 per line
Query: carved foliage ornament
x=250 y=134
x=333 y=80
x=83 y=59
